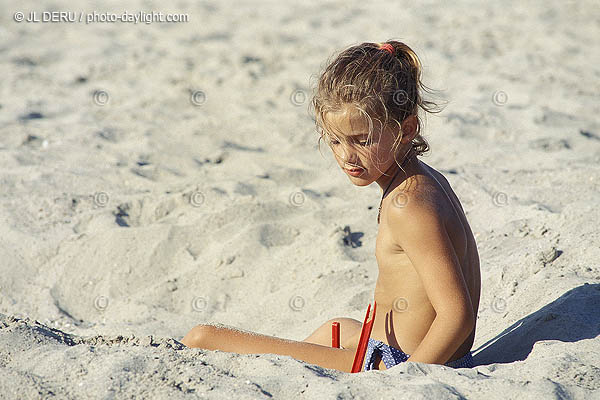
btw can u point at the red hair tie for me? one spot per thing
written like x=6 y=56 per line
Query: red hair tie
x=387 y=47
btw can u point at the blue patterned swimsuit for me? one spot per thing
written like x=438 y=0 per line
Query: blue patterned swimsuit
x=391 y=356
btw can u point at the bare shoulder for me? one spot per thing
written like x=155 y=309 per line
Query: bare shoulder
x=442 y=182
x=416 y=196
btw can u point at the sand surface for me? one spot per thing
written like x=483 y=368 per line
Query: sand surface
x=158 y=176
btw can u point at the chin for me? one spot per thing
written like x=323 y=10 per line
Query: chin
x=361 y=184
x=359 y=181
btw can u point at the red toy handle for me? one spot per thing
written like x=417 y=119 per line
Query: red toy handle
x=335 y=334
x=365 y=334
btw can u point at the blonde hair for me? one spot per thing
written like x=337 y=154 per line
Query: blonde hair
x=377 y=83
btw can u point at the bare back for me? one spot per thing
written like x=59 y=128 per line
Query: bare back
x=404 y=312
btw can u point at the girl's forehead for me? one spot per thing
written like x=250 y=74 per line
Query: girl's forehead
x=348 y=121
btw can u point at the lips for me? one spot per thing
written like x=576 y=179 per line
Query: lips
x=355 y=171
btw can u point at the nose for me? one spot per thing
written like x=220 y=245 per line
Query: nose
x=349 y=157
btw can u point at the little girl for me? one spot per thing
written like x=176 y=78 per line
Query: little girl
x=427 y=292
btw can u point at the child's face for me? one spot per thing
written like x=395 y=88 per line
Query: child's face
x=352 y=150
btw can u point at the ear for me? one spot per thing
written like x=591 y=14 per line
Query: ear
x=409 y=128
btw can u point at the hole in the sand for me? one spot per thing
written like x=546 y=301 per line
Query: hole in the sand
x=31 y=115
x=352 y=239
x=120 y=217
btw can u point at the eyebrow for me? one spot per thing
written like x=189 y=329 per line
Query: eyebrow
x=358 y=134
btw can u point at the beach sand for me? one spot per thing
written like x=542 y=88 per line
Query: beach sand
x=159 y=176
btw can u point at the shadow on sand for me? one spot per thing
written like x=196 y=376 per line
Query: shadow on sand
x=572 y=317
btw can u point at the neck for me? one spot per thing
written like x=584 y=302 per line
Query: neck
x=394 y=172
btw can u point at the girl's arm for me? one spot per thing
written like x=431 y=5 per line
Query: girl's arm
x=418 y=228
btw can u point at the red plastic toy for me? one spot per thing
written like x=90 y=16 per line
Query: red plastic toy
x=365 y=334
x=335 y=334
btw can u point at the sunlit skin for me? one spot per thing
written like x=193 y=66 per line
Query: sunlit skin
x=426 y=256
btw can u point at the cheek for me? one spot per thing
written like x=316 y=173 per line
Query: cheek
x=378 y=155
